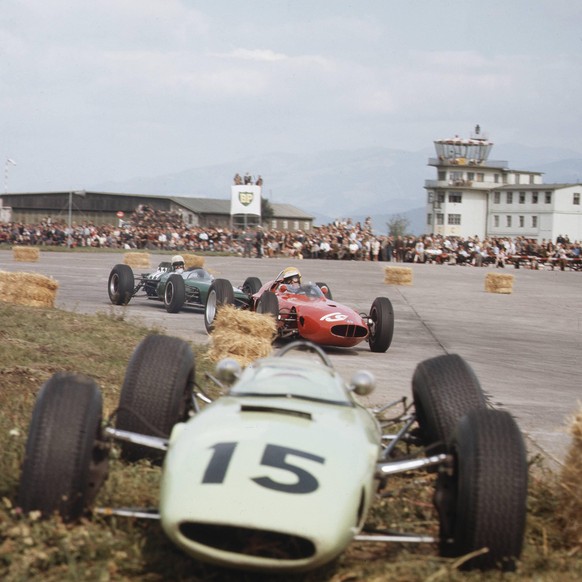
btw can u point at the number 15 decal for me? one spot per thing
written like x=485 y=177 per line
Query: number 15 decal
x=273 y=456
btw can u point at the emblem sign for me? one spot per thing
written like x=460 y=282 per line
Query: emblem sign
x=245 y=198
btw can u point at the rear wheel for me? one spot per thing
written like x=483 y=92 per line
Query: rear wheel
x=251 y=285
x=482 y=502
x=268 y=303
x=157 y=391
x=444 y=389
x=120 y=284
x=65 y=461
x=219 y=293
x=174 y=293
x=381 y=324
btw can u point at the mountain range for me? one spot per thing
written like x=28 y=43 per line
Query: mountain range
x=377 y=182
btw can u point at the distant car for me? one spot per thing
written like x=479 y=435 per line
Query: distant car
x=175 y=290
x=308 y=311
x=278 y=473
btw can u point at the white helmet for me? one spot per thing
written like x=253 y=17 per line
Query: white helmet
x=177 y=259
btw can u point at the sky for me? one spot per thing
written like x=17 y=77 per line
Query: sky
x=106 y=90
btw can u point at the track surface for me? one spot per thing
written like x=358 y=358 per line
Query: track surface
x=524 y=347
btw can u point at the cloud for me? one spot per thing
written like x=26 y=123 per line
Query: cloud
x=258 y=55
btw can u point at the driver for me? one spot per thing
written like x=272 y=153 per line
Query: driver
x=178 y=263
x=291 y=277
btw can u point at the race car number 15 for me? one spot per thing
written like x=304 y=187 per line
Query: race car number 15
x=273 y=456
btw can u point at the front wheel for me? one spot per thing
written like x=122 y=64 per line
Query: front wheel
x=174 y=293
x=120 y=284
x=381 y=324
x=65 y=461
x=157 y=391
x=482 y=501
x=220 y=293
x=444 y=389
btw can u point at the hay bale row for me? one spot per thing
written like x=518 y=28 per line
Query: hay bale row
x=25 y=254
x=242 y=335
x=498 y=283
x=140 y=260
x=28 y=289
x=398 y=275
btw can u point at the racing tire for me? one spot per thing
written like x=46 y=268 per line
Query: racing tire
x=444 y=389
x=120 y=284
x=268 y=303
x=220 y=293
x=174 y=293
x=382 y=324
x=157 y=392
x=251 y=285
x=328 y=295
x=482 y=502
x=65 y=461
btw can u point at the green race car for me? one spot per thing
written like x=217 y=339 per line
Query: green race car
x=176 y=288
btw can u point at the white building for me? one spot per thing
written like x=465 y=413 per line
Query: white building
x=475 y=196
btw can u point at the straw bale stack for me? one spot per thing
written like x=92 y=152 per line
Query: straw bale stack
x=193 y=261
x=570 y=478
x=498 y=283
x=140 y=260
x=28 y=289
x=242 y=335
x=25 y=254
x=398 y=275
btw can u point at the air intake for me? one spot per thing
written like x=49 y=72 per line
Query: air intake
x=251 y=542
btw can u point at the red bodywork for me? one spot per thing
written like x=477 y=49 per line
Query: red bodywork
x=315 y=318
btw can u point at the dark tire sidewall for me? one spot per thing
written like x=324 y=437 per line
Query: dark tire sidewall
x=175 y=290
x=120 y=284
x=60 y=448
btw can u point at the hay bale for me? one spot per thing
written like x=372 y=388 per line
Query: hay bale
x=25 y=254
x=140 y=260
x=498 y=283
x=570 y=478
x=28 y=289
x=242 y=335
x=398 y=275
x=193 y=261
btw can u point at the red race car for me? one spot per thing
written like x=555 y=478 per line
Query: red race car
x=308 y=311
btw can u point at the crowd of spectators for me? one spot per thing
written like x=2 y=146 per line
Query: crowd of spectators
x=155 y=230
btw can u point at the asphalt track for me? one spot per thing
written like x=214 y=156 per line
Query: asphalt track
x=524 y=347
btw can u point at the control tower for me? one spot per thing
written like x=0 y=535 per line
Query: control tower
x=457 y=151
x=457 y=201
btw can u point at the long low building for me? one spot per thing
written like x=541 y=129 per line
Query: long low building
x=107 y=208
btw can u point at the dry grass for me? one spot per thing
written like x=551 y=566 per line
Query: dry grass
x=398 y=275
x=242 y=335
x=193 y=261
x=571 y=485
x=25 y=254
x=29 y=289
x=35 y=343
x=137 y=260
x=499 y=283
